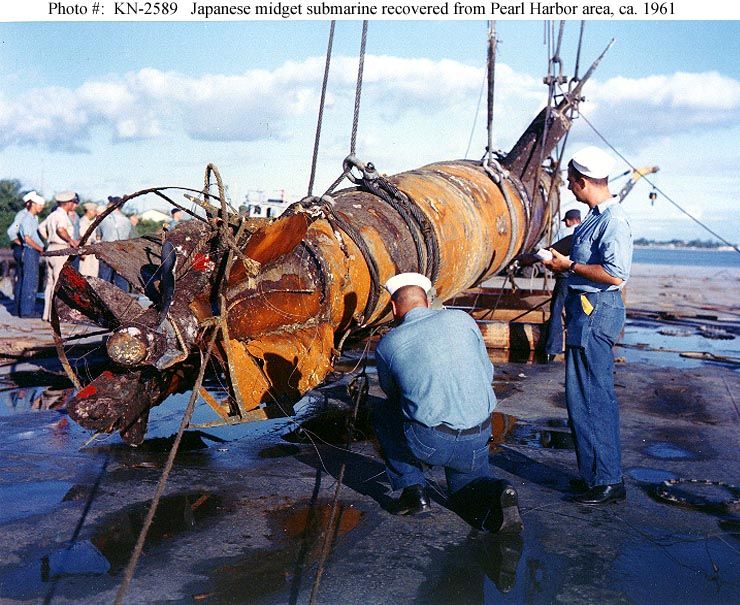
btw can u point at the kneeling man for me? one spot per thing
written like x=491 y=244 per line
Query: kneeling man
x=436 y=374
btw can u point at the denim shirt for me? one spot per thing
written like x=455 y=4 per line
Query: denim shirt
x=603 y=238
x=30 y=227
x=436 y=366
x=15 y=225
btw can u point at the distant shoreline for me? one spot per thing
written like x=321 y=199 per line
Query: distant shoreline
x=692 y=248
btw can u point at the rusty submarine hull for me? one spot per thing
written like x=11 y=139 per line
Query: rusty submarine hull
x=274 y=301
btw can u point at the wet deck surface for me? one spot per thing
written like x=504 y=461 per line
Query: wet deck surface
x=245 y=506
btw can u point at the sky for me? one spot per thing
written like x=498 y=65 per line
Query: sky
x=110 y=108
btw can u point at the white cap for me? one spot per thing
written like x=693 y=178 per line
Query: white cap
x=593 y=162
x=34 y=197
x=408 y=279
x=66 y=196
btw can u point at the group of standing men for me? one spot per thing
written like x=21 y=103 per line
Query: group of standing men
x=436 y=375
x=61 y=229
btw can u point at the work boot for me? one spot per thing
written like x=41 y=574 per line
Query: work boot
x=488 y=504
x=413 y=501
x=508 y=504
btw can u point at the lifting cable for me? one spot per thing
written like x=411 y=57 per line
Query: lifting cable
x=491 y=79
x=356 y=116
x=656 y=188
x=321 y=110
x=561 y=152
x=551 y=80
x=335 y=220
x=490 y=164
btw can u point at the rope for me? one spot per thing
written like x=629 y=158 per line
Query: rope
x=417 y=222
x=165 y=475
x=321 y=110
x=357 y=389
x=205 y=358
x=656 y=188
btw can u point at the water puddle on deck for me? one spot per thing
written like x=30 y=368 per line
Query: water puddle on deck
x=288 y=566
x=108 y=548
x=683 y=569
x=550 y=433
x=649 y=476
x=20 y=500
x=672 y=346
x=668 y=451
x=486 y=568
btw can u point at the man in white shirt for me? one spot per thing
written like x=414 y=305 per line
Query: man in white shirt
x=58 y=230
x=89 y=262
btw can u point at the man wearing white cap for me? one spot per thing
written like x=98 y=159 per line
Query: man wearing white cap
x=59 y=232
x=32 y=247
x=16 y=247
x=598 y=267
x=436 y=374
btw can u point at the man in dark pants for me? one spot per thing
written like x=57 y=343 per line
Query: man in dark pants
x=598 y=267
x=16 y=247
x=434 y=369
x=31 y=255
x=554 y=340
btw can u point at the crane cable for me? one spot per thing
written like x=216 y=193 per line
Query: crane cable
x=656 y=188
x=491 y=79
x=356 y=116
x=317 y=138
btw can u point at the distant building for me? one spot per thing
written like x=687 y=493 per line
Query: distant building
x=269 y=208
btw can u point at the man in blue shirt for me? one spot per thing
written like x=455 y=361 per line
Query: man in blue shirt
x=28 y=233
x=434 y=369
x=16 y=247
x=598 y=267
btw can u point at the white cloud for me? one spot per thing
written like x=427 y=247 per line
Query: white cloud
x=258 y=104
x=640 y=108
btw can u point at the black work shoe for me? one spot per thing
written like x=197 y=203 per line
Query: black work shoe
x=602 y=494
x=413 y=501
x=511 y=520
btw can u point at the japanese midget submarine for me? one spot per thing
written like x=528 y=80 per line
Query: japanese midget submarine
x=273 y=301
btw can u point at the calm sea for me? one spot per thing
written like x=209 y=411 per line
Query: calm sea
x=684 y=256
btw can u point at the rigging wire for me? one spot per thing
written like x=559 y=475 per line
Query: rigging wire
x=358 y=88
x=321 y=109
x=656 y=188
x=356 y=116
x=491 y=77
x=475 y=119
